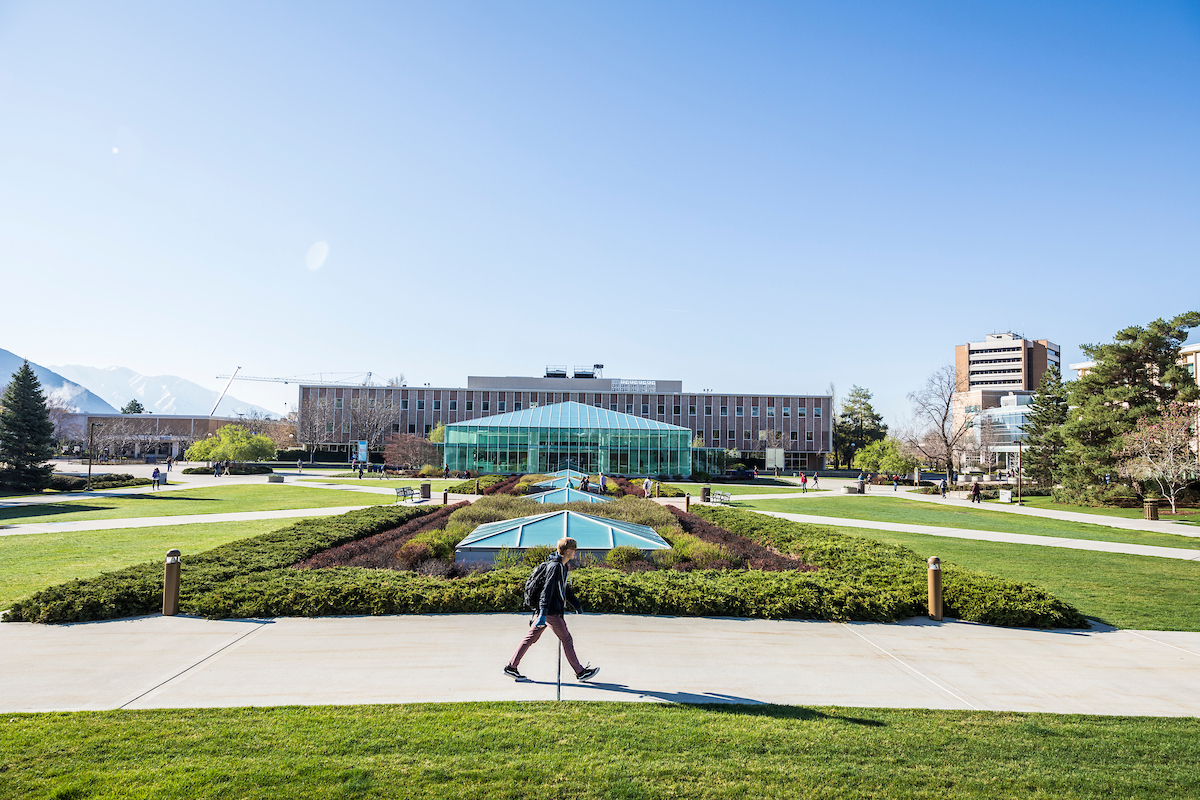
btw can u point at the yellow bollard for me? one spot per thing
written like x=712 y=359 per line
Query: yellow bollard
x=170 y=606
x=935 y=589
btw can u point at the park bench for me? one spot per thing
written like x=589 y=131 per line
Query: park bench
x=720 y=497
x=406 y=493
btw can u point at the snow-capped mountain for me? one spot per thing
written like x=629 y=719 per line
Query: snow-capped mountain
x=55 y=386
x=161 y=394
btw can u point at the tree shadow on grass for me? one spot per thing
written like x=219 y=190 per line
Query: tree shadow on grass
x=79 y=507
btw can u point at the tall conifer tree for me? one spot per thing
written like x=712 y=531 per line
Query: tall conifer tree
x=1044 y=443
x=26 y=434
x=1137 y=375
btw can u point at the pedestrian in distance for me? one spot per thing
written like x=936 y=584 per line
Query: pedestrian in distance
x=603 y=483
x=154 y=477
x=300 y=465
x=942 y=486
x=552 y=600
x=360 y=471
x=895 y=484
x=815 y=484
x=976 y=493
x=216 y=469
x=803 y=483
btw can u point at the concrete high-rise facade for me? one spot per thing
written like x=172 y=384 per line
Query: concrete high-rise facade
x=1004 y=361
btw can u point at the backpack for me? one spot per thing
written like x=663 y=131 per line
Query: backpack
x=534 y=586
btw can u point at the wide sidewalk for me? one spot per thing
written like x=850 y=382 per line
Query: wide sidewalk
x=184 y=662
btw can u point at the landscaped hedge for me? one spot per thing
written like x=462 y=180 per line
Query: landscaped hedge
x=72 y=483
x=234 y=469
x=898 y=571
x=137 y=590
x=857 y=579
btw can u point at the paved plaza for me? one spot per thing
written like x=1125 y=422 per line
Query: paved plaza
x=184 y=662
x=161 y=662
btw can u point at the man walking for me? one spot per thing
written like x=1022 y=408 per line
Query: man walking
x=556 y=595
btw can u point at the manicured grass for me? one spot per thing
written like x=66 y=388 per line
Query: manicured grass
x=437 y=484
x=214 y=500
x=1121 y=590
x=1185 y=515
x=740 y=488
x=595 y=750
x=33 y=562
x=916 y=512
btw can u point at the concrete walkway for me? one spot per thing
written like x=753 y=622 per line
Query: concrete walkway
x=158 y=522
x=182 y=662
x=993 y=536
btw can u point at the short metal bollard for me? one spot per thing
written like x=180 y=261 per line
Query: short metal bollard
x=171 y=584
x=477 y=486
x=446 y=497
x=687 y=502
x=935 y=589
x=1150 y=509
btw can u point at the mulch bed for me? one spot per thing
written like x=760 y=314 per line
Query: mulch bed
x=379 y=551
x=503 y=487
x=753 y=555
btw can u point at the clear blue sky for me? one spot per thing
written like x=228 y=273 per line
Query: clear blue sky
x=745 y=196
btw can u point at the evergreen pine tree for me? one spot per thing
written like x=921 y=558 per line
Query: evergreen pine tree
x=1137 y=375
x=26 y=434
x=1044 y=443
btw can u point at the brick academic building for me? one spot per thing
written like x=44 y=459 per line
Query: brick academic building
x=793 y=431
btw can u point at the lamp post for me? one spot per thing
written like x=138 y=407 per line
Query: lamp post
x=91 y=452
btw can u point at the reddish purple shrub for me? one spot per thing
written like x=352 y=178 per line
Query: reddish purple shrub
x=751 y=554
x=378 y=551
x=503 y=487
x=629 y=488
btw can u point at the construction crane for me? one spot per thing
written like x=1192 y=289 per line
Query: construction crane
x=366 y=381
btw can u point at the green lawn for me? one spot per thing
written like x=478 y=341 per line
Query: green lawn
x=215 y=500
x=594 y=750
x=740 y=488
x=1125 y=591
x=916 y=512
x=1186 y=515
x=31 y=563
x=437 y=484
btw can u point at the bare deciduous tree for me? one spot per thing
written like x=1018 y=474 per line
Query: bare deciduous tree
x=409 y=451
x=935 y=433
x=370 y=418
x=312 y=424
x=1161 y=450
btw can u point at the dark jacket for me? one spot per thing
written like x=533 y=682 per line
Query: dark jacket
x=557 y=593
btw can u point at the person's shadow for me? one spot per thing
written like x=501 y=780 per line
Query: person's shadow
x=725 y=703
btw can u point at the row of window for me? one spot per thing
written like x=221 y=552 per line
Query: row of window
x=501 y=407
x=716 y=435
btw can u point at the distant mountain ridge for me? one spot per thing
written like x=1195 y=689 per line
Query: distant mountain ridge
x=56 y=387
x=162 y=394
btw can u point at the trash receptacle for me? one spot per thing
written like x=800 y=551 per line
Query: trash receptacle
x=426 y=491
x=1150 y=509
x=705 y=494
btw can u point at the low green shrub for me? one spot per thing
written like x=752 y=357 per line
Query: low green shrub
x=1117 y=494
x=659 y=489
x=430 y=471
x=536 y=555
x=137 y=590
x=859 y=579
x=899 y=572
x=623 y=556
x=72 y=483
x=483 y=481
x=692 y=549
